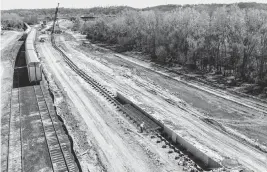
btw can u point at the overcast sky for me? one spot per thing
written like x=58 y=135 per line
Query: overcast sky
x=18 y=4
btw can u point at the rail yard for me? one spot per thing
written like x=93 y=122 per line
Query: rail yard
x=71 y=105
x=33 y=138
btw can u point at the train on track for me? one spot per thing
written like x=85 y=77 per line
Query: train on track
x=33 y=63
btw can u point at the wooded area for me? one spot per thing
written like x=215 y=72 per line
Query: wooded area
x=229 y=40
x=10 y=21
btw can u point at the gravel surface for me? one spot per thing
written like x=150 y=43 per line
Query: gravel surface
x=113 y=143
x=8 y=56
x=202 y=115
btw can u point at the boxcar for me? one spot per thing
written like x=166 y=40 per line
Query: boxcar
x=33 y=64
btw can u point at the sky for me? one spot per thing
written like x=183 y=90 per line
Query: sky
x=30 y=4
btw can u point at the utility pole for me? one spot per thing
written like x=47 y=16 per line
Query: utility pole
x=54 y=22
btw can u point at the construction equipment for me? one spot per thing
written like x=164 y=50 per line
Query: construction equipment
x=55 y=18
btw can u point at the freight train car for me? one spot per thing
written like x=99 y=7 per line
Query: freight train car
x=26 y=32
x=33 y=64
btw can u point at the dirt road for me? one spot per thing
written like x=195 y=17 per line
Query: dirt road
x=8 y=56
x=8 y=37
x=119 y=146
x=32 y=136
x=212 y=123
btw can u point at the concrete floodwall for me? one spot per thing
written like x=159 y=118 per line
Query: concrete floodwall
x=124 y=100
x=205 y=161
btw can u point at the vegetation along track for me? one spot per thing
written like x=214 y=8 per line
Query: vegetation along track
x=183 y=157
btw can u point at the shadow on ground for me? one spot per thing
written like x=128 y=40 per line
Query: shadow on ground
x=20 y=78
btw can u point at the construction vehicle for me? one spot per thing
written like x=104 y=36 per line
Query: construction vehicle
x=55 y=18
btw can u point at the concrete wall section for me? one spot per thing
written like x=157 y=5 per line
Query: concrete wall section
x=122 y=99
x=127 y=101
x=208 y=162
x=201 y=156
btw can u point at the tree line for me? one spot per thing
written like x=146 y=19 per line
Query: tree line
x=48 y=13
x=12 y=21
x=228 y=40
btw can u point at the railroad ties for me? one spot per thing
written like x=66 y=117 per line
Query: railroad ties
x=54 y=133
x=36 y=140
x=135 y=114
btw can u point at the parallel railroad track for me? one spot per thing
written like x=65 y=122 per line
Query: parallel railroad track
x=59 y=154
x=183 y=157
x=128 y=110
x=20 y=136
x=35 y=137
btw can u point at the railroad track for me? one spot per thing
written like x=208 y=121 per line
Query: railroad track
x=127 y=109
x=22 y=134
x=35 y=137
x=182 y=157
x=59 y=154
x=87 y=78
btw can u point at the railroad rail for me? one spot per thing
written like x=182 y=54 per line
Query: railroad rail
x=36 y=133
x=183 y=157
x=60 y=159
x=34 y=137
x=34 y=125
x=130 y=111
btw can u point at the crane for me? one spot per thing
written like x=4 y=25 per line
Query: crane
x=54 y=22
